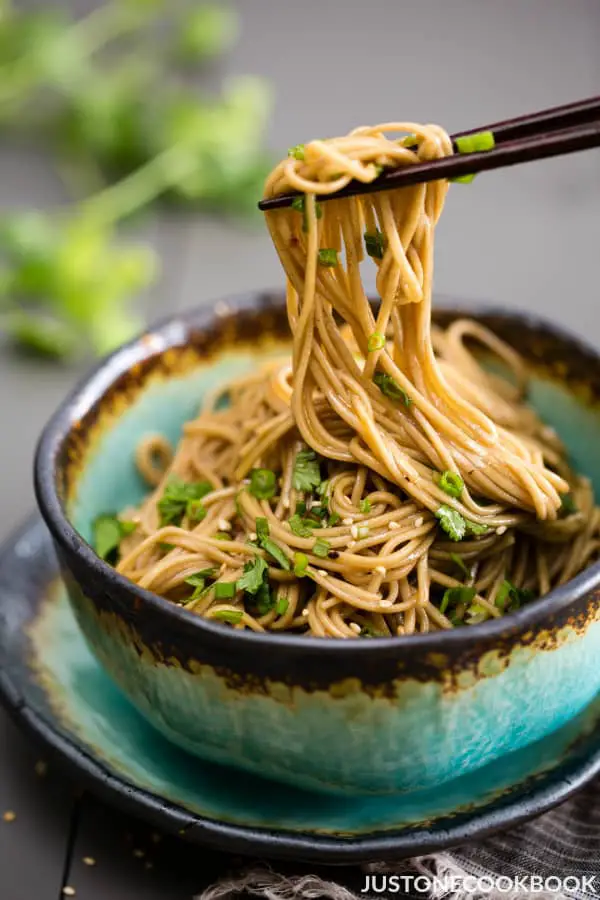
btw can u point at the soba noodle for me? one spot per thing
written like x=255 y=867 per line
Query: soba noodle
x=381 y=482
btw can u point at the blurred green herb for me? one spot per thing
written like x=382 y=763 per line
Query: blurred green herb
x=110 y=96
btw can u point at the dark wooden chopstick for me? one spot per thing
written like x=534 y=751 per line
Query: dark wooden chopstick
x=541 y=135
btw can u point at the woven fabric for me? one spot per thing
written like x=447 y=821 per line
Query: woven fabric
x=556 y=855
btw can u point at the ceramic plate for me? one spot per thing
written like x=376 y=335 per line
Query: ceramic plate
x=54 y=687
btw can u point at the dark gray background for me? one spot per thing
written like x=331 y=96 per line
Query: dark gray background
x=527 y=237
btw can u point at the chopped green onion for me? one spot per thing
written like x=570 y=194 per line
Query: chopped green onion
x=253 y=576
x=234 y=616
x=376 y=341
x=307 y=471
x=198 y=581
x=263 y=484
x=389 y=387
x=300 y=564
x=475 y=143
x=458 y=561
x=451 y=483
x=567 y=506
x=368 y=631
x=475 y=528
x=262 y=527
x=510 y=598
x=225 y=590
x=375 y=243
x=462 y=179
x=276 y=552
x=328 y=257
x=222 y=536
x=334 y=518
x=455 y=595
x=323 y=488
x=297 y=152
x=300 y=206
x=409 y=141
x=321 y=548
x=301 y=527
x=281 y=606
x=362 y=532
x=298 y=203
x=365 y=505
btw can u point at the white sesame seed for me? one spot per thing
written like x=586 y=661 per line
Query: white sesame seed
x=419 y=522
x=322 y=573
x=252 y=535
x=392 y=525
x=386 y=603
x=347 y=521
x=354 y=531
x=501 y=529
x=89 y=861
x=68 y=891
x=224 y=525
x=381 y=570
x=305 y=612
x=355 y=627
x=351 y=544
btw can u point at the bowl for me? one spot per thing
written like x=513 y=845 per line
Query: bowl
x=385 y=715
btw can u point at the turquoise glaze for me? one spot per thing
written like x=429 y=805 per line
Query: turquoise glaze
x=92 y=713
x=400 y=716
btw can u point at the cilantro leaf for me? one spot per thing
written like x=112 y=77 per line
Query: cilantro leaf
x=455 y=595
x=510 y=598
x=253 y=576
x=301 y=527
x=109 y=531
x=276 y=552
x=452 y=522
x=307 y=472
x=181 y=498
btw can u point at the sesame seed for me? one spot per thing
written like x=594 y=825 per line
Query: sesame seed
x=381 y=570
x=347 y=521
x=41 y=768
x=351 y=544
x=419 y=521
x=386 y=603
x=9 y=816
x=252 y=535
x=322 y=573
x=305 y=612
x=89 y=861
x=354 y=531
x=501 y=529
x=355 y=627
x=224 y=525
x=68 y=891
x=392 y=525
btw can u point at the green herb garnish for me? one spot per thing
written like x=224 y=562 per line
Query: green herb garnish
x=510 y=598
x=475 y=143
x=262 y=527
x=307 y=472
x=475 y=527
x=263 y=484
x=181 y=498
x=376 y=342
x=328 y=257
x=334 y=518
x=365 y=506
x=222 y=536
x=452 y=522
x=225 y=590
x=253 y=575
x=300 y=564
x=301 y=527
x=297 y=152
x=108 y=534
x=276 y=552
x=300 y=206
x=281 y=607
x=455 y=595
x=567 y=506
x=368 y=631
x=321 y=548
x=451 y=483
x=390 y=388
x=198 y=581
x=375 y=243
x=234 y=616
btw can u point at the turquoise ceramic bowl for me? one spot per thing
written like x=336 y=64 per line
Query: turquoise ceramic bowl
x=388 y=715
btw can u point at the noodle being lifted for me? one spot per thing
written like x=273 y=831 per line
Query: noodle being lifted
x=384 y=483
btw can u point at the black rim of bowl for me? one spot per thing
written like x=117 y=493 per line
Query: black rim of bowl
x=173 y=331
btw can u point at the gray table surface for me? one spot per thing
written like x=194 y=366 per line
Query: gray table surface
x=527 y=238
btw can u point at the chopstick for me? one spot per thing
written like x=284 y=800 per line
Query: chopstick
x=551 y=132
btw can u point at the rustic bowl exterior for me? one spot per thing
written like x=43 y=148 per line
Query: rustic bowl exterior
x=367 y=716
